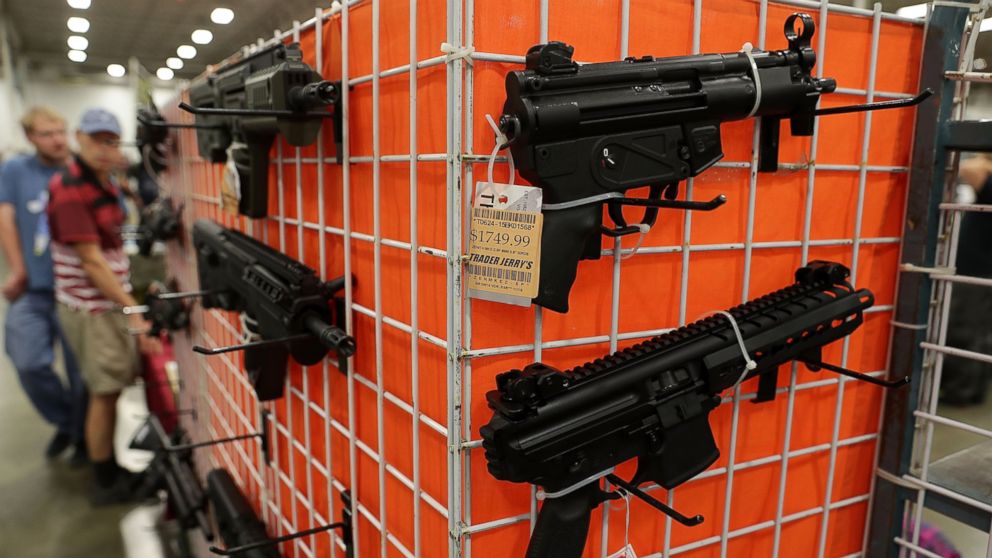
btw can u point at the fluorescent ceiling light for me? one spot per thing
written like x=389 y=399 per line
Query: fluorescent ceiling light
x=222 y=16
x=164 y=74
x=79 y=4
x=174 y=63
x=77 y=42
x=985 y=25
x=186 y=51
x=77 y=56
x=918 y=11
x=78 y=24
x=202 y=36
x=116 y=70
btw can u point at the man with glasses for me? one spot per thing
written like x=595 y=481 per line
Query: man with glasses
x=91 y=286
x=31 y=327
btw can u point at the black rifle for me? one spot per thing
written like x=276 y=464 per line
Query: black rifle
x=237 y=523
x=588 y=133
x=244 y=533
x=565 y=430
x=251 y=101
x=164 y=310
x=159 y=222
x=286 y=301
x=173 y=472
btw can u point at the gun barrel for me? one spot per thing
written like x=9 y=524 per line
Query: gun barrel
x=330 y=336
x=313 y=95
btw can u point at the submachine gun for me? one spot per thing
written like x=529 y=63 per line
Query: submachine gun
x=246 y=103
x=587 y=133
x=566 y=430
x=282 y=301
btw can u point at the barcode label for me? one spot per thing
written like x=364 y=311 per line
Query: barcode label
x=500 y=273
x=500 y=215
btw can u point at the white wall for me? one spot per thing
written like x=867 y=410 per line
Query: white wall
x=71 y=99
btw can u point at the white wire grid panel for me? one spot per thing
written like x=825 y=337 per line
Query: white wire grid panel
x=937 y=348
x=401 y=430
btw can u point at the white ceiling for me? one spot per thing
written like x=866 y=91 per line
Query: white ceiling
x=148 y=29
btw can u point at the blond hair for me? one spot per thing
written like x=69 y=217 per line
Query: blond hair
x=36 y=113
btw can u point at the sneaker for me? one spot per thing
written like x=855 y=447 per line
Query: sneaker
x=79 y=456
x=60 y=442
x=122 y=491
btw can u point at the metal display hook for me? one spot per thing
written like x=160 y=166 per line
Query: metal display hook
x=263 y=435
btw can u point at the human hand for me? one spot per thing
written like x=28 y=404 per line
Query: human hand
x=147 y=344
x=14 y=286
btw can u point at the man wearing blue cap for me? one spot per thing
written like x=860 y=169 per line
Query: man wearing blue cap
x=91 y=285
x=31 y=327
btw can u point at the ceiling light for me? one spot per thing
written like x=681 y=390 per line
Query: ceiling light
x=985 y=25
x=174 y=63
x=78 y=24
x=186 y=51
x=222 y=16
x=77 y=56
x=116 y=70
x=77 y=42
x=202 y=36
x=164 y=74
x=79 y=4
x=918 y=11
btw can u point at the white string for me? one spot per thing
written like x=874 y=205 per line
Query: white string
x=455 y=53
x=544 y=495
x=748 y=50
x=622 y=553
x=644 y=228
x=581 y=201
x=750 y=364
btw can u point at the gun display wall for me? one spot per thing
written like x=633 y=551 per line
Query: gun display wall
x=449 y=420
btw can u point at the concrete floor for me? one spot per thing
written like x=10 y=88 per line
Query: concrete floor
x=44 y=511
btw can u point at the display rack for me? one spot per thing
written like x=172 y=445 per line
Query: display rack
x=909 y=480
x=400 y=431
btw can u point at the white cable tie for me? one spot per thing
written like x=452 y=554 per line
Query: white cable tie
x=545 y=495
x=501 y=140
x=457 y=53
x=749 y=363
x=748 y=50
x=581 y=201
x=644 y=228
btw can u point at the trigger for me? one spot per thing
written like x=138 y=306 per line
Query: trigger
x=671 y=191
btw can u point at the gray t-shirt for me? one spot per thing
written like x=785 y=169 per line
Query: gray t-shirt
x=24 y=184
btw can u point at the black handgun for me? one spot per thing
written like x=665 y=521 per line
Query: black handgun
x=159 y=222
x=284 y=302
x=237 y=523
x=652 y=402
x=587 y=133
x=248 y=102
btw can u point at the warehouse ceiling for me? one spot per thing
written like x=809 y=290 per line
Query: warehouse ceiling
x=150 y=30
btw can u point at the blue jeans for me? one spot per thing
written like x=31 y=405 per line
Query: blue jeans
x=31 y=330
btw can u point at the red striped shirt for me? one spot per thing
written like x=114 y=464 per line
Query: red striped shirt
x=82 y=210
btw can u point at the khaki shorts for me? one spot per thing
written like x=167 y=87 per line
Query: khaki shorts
x=106 y=353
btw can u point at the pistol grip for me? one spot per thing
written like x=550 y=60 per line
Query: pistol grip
x=566 y=238
x=563 y=524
